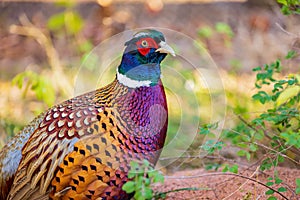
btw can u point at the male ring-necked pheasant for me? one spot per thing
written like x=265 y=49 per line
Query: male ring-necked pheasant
x=81 y=148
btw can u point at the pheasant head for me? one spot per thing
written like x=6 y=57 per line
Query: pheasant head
x=140 y=64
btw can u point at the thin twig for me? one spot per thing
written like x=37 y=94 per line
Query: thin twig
x=278 y=152
x=285 y=31
x=227 y=174
x=160 y=194
x=253 y=128
x=257 y=169
x=207 y=157
x=292 y=149
x=28 y=29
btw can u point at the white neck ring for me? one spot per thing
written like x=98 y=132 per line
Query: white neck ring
x=123 y=79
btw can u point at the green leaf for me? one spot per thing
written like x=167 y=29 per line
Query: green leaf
x=39 y=84
x=259 y=135
x=139 y=195
x=159 y=178
x=65 y=3
x=297 y=76
x=272 y=198
x=241 y=153
x=225 y=169
x=253 y=147
x=131 y=174
x=18 y=80
x=140 y=181
x=291 y=81
x=285 y=10
x=287 y=94
x=205 y=32
x=269 y=183
x=262 y=96
x=129 y=187
x=45 y=91
x=269 y=192
x=257 y=69
x=211 y=146
x=298 y=182
x=297 y=190
x=134 y=165
x=224 y=29
x=148 y=193
x=147 y=181
x=152 y=173
x=266 y=164
x=292 y=138
x=282 y=189
x=204 y=131
x=56 y=22
x=278 y=181
x=74 y=22
x=212 y=166
x=291 y=54
x=86 y=46
x=280 y=158
x=234 y=169
x=284 y=2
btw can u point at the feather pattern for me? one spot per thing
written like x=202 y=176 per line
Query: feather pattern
x=81 y=148
x=8 y=166
x=98 y=165
x=135 y=128
x=49 y=144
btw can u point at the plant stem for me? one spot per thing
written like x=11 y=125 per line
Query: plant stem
x=229 y=174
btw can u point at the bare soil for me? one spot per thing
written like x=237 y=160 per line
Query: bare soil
x=213 y=185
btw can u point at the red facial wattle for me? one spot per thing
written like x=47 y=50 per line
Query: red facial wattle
x=144 y=49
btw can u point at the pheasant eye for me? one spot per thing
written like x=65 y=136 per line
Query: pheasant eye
x=144 y=43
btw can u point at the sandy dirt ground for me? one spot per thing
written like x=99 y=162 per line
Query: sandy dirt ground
x=228 y=187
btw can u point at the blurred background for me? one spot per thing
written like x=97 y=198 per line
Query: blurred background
x=43 y=43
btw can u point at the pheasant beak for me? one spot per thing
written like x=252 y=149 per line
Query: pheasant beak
x=165 y=48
